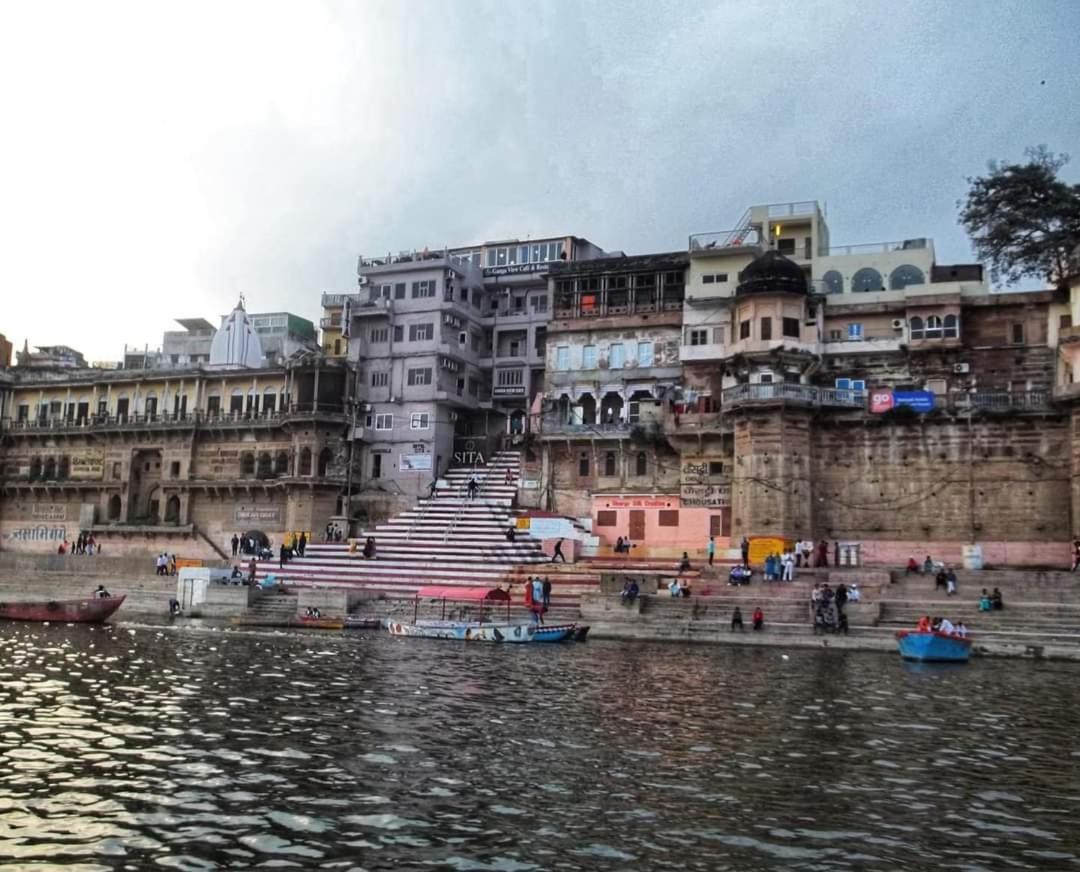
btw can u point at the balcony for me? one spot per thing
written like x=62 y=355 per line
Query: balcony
x=795 y=394
x=788 y=210
x=1001 y=401
x=331 y=323
x=725 y=240
x=707 y=351
x=336 y=301
x=692 y=423
x=554 y=425
x=869 y=341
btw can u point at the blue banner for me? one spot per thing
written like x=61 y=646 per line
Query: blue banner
x=919 y=401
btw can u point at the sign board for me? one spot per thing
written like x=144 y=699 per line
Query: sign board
x=469 y=458
x=49 y=512
x=762 y=546
x=516 y=269
x=918 y=401
x=530 y=484
x=706 y=495
x=262 y=515
x=641 y=503
x=88 y=465
x=551 y=528
x=414 y=463
x=508 y=391
x=188 y=563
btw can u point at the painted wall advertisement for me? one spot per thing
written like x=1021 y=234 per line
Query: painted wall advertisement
x=88 y=465
x=414 y=463
x=708 y=496
x=49 y=512
x=882 y=400
x=702 y=485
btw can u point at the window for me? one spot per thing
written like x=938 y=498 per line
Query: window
x=716 y=467
x=766 y=328
x=380 y=379
x=588 y=357
x=854 y=332
x=379 y=335
x=905 y=275
x=867 y=279
x=785 y=246
x=609 y=463
x=399 y=333
x=1016 y=334
x=644 y=354
x=539 y=302
x=423 y=289
x=1064 y=322
x=699 y=337
x=744 y=329
x=857 y=385
x=616 y=355
x=641 y=464
x=247 y=463
x=583 y=464
x=419 y=421
x=607 y=518
x=421 y=332
x=420 y=376
x=915 y=327
x=337 y=346
x=384 y=422
x=399 y=291
x=791 y=327
x=708 y=279
x=667 y=518
x=833 y=281
x=515 y=348
x=952 y=327
x=934 y=328
x=562 y=357
x=509 y=377
x=765 y=378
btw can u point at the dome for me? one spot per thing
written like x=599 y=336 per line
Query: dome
x=236 y=345
x=770 y=273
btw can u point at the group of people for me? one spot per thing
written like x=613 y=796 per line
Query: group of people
x=537 y=597
x=83 y=544
x=165 y=564
x=740 y=574
x=928 y=624
x=945 y=578
x=827 y=607
x=991 y=602
x=678 y=588
x=623 y=546
x=757 y=619
x=927 y=567
x=804 y=554
x=312 y=612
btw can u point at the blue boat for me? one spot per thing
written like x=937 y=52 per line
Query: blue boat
x=553 y=633
x=933 y=647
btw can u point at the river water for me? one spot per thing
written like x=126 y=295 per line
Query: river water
x=136 y=747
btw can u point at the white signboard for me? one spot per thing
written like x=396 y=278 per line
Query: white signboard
x=551 y=528
x=414 y=463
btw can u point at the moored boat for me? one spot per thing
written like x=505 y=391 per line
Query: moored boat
x=466 y=631
x=353 y=622
x=83 y=611
x=928 y=646
x=561 y=633
x=321 y=623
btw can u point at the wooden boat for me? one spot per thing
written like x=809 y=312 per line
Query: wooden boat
x=469 y=631
x=321 y=623
x=466 y=631
x=933 y=647
x=84 y=611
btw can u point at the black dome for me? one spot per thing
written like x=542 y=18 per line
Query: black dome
x=770 y=273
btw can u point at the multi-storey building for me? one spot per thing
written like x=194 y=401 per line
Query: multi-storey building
x=172 y=459
x=450 y=350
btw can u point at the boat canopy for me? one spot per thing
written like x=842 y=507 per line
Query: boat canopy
x=465 y=594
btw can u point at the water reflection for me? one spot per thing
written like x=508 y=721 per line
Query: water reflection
x=127 y=747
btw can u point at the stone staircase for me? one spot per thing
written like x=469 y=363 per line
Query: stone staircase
x=448 y=539
x=273 y=608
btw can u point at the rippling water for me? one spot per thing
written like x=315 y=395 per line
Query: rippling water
x=134 y=747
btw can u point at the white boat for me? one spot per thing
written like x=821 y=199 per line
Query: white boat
x=466 y=631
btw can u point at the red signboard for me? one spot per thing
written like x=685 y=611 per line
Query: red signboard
x=880 y=401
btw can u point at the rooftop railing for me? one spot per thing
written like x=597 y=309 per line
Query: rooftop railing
x=422 y=256
x=722 y=239
x=784 y=210
x=880 y=247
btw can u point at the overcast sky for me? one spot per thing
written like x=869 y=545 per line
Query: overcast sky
x=157 y=160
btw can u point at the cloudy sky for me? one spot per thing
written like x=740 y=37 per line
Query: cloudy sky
x=158 y=159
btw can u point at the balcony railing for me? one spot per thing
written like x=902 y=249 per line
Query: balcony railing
x=880 y=247
x=334 y=321
x=165 y=420
x=785 y=210
x=725 y=239
x=806 y=395
x=331 y=301
x=560 y=426
x=1000 y=401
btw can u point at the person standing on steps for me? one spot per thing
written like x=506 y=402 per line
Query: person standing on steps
x=558 y=555
x=710 y=549
x=235 y=544
x=545 y=589
x=473 y=486
x=302 y=544
x=745 y=547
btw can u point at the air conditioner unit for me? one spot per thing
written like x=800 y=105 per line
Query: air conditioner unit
x=961 y=368
x=362 y=280
x=897 y=323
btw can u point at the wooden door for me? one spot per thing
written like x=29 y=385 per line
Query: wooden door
x=637 y=525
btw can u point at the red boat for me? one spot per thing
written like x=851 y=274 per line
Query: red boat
x=84 y=611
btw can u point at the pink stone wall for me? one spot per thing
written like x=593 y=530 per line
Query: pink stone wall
x=896 y=553
x=692 y=533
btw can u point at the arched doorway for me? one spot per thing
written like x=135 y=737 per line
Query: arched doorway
x=247 y=464
x=172 y=510
x=588 y=409
x=305 y=461
x=517 y=422
x=611 y=408
x=144 y=496
x=35 y=468
x=281 y=463
x=325 y=458
x=113 y=508
x=50 y=469
x=266 y=465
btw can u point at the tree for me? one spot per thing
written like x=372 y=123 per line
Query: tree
x=1024 y=220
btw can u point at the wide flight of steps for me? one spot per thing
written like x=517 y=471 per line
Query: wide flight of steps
x=448 y=540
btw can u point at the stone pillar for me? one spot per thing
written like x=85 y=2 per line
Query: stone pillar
x=771 y=492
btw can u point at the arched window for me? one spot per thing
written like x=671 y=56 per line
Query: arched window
x=305 y=461
x=281 y=463
x=269 y=402
x=641 y=466
x=905 y=275
x=35 y=469
x=609 y=463
x=934 y=328
x=114 y=508
x=915 y=327
x=833 y=282
x=952 y=327
x=247 y=463
x=266 y=465
x=583 y=464
x=50 y=469
x=172 y=510
x=867 y=279
x=325 y=456
x=64 y=469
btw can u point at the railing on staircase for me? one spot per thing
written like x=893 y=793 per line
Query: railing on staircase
x=220 y=551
